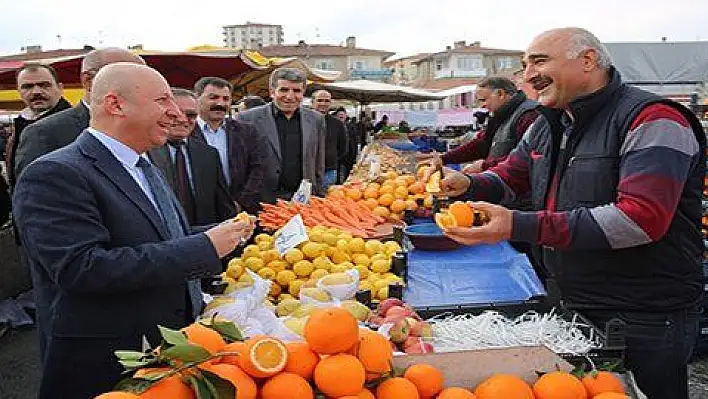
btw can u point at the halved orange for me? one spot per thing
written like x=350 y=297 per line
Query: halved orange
x=463 y=213
x=263 y=356
x=445 y=220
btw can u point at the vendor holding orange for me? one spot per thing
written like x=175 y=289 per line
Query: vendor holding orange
x=617 y=192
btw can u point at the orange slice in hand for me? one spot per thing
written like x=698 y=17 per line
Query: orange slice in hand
x=245 y=217
x=433 y=185
x=263 y=357
x=445 y=220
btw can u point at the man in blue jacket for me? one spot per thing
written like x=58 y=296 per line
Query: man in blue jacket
x=111 y=252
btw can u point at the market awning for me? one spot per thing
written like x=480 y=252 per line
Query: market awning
x=367 y=92
x=255 y=81
x=181 y=69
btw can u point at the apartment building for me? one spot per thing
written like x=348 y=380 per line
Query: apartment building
x=405 y=70
x=351 y=61
x=463 y=64
x=252 y=36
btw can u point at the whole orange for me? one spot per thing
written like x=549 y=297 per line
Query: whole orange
x=301 y=359
x=339 y=375
x=427 y=379
x=559 y=385
x=456 y=393
x=287 y=385
x=117 y=395
x=611 y=395
x=503 y=386
x=205 y=337
x=245 y=386
x=365 y=394
x=330 y=331
x=169 y=387
x=375 y=352
x=397 y=388
x=601 y=382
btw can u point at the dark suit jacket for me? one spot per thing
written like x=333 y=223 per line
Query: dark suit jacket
x=49 y=134
x=4 y=201
x=104 y=275
x=212 y=201
x=247 y=162
x=314 y=134
x=20 y=128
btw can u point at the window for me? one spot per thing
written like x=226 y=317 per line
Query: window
x=469 y=63
x=505 y=63
x=358 y=64
x=325 y=64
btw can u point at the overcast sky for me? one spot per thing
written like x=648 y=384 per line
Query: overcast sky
x=401 y=26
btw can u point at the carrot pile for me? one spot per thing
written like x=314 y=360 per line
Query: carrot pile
x=341 y=213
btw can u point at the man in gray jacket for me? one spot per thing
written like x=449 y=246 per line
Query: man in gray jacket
x=295 y=136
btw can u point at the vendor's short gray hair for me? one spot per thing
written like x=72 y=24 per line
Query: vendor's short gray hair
x=581 y=40
x=289 y=74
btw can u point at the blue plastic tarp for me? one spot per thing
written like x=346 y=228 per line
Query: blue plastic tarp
x=472 y=275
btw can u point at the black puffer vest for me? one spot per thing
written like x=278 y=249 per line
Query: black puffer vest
x=660 y=276
x=505 y=138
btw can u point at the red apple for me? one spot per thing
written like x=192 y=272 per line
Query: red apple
x=420 y=347
x=376 y=320
x=387 y=303
x=399 y=332
x=398 y=311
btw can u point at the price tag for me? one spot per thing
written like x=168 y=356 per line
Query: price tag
x=303 y=193
x=374 y=169
x=291 y=235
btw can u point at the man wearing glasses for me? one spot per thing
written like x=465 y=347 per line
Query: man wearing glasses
x=193 y=168
x=61 y=129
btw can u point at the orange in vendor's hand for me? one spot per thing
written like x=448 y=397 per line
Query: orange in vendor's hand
x=559 y=385
x=205 y=337
x=445 y=220
x=463 y=213
x=503 y=386
x=263 y=356
x=598 y=382
x=332 y=330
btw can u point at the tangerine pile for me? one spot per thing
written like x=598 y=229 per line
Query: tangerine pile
x=340 y=360
x=388 y=198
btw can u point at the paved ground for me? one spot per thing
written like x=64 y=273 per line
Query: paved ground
x=19 y=369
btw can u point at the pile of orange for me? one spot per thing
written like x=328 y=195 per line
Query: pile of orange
x=390 y=197
x=339 y=359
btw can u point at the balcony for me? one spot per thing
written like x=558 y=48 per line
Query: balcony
x=371 y=74
x=460 y=73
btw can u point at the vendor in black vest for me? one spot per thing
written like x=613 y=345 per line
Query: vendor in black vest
x=618 y=197
x=511 y=114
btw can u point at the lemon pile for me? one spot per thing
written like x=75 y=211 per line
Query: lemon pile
x=388 y=197
x=328 y=251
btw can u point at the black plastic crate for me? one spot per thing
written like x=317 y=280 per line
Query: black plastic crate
x=612 y=338
x=701 y=347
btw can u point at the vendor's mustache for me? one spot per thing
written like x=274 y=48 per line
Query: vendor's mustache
x=540 y=82
x=39 y=97
x=218 y=108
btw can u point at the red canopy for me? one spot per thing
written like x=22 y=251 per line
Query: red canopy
x=180 y=69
